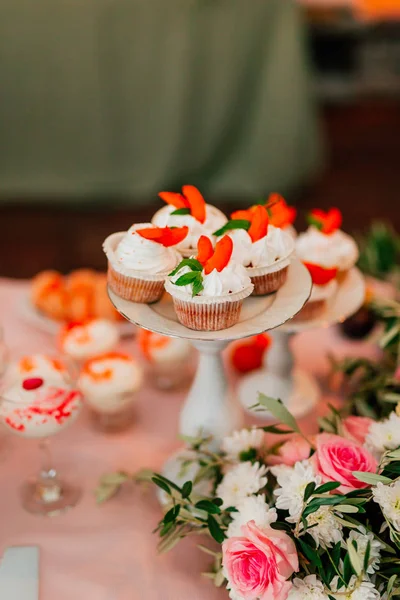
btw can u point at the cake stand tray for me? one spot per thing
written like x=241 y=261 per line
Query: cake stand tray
x=279 y=377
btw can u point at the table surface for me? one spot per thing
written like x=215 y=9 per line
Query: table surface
x=109 y=552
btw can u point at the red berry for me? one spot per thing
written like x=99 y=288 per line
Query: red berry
x=33 y=383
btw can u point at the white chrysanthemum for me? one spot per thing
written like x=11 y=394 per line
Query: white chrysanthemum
x=252 y=508
x=363 y=591
x=241 y=481
x=242 y=441
x=384 y=435
x=324 y=528
x=309 y=588
x=293 y=481
x=362 y=538
x=388 y=498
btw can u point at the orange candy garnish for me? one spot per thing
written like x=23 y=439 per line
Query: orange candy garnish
x=174 y=199
x=190 y=198
x=107 y=373
x=243 y=215
x=280 y=214
x=248 y=355
x=221 y=256
x=166 y=236
x=205 y=249
x=259 y=223
x=319 y=275
x=329 y=222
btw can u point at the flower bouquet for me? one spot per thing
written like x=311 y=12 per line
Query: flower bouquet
x=304 y=519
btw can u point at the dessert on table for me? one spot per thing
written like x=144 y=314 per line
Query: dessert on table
x=167 y=360
x=189 y=209
x=208 y=291
x=140 y=259
x=109 y=382
x=37 y=365
x=325 y=244
x=80 y=341
x=279 y=212
x=78 y=296
x=324 y=288
x=263 y=249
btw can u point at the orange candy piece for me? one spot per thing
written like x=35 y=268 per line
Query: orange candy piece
x=319 y=275
x=259 y=224
x=196 y=202
x=174 y=199
x=330 y=221
x=149 y=341
x=221 y=256
x=242 y=215
x=281 y=215
x=205 y=249
x=166 y=236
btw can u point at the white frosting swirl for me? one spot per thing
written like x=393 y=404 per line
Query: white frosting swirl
x=87 y=340
x=219 y=283
x=36 y=365
x=109 y=382
x=138 y=254
x=329 y=251
x=215 y=219
x=276 y=245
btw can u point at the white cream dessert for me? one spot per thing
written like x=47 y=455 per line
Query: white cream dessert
x=276 y=246
x=37 y=408
x=325 y=244
x=84 y=340
x=189 y=209
x=162 y=350
x=140 y=259
x=109 y=381
x=37 y=365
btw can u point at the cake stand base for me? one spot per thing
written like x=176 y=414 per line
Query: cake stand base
x=300 y=392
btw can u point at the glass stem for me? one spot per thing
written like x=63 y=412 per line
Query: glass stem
x=48 y=488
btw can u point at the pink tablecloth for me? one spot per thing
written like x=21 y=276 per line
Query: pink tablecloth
x=108 y=552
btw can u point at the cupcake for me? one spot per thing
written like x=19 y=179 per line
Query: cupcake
x=37 y=365
x=208 y=291
x=80 y=341
x=140 y=259
x=167 y=360
x=323 y=290
x=280 y=214
x=49 y=294
x=189 y=209
x=80 y=288
x=325 y=244
x=109 y=382
x=263 y=249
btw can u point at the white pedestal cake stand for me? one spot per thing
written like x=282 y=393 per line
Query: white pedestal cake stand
x=209 y=409
x=279 y=377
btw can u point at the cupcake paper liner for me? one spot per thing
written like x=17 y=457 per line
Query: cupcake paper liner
x=205 y=313
x=270 y=282
x=312 y=310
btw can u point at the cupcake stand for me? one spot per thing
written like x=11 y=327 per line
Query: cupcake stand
x=210 y=408
x=279 y=377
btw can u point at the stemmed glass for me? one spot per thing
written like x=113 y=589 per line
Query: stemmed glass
x=33 y=408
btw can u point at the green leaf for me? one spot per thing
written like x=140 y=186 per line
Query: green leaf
x=370 y=478
x=279 y=411
x=327 y=487
x=172 y=514
x=389 y=336
x=354 y=558
x=346 y=508
x=192 y=263
x=170 y=483
x=276 y=430
x=390 y=585
x=181 y=211
x=394 y=454
x=367 y=556
x=309 y=490
x=233 y=224
x=197 y=286
x=208 y=507
x=187 y=489
x=310 y=553
x=215 y=529
x=161 y=484
x=186 y=279
x=313 y=221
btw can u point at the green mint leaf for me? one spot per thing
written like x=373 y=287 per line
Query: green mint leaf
x=313 y=221
x=181 y=211
x=192 y=263
x=234 y=224
x=197 y=286
x=186 y=279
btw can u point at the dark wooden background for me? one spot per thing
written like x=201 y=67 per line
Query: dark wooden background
x=362 y=178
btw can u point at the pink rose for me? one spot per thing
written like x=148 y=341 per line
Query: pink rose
x=295 y=449
x=336 y=458
x=356 y=428
x=258 y=564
